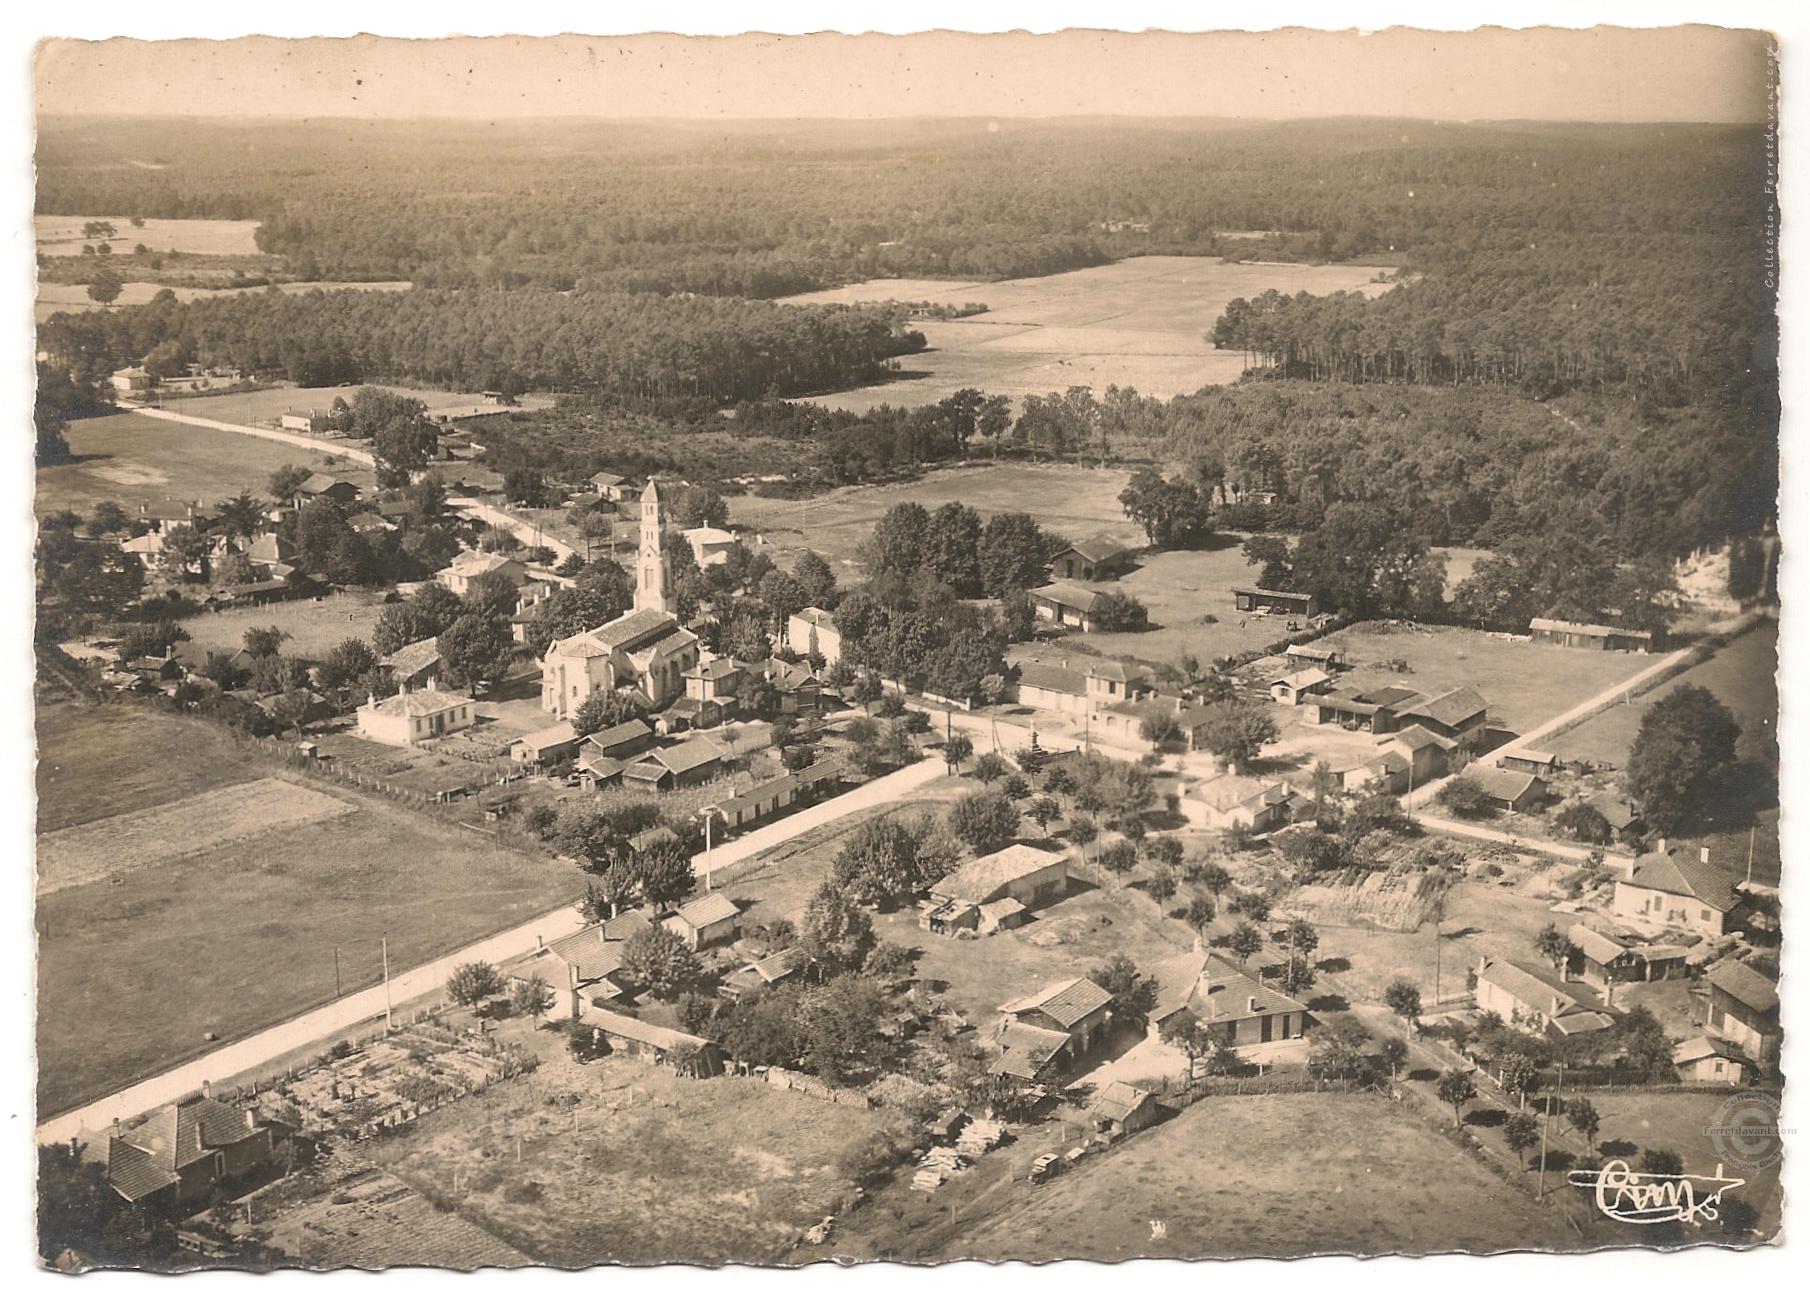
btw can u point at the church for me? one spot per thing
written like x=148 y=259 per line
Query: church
x=647 y=649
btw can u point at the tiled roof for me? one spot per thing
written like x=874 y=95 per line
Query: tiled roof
x=1617 y=813
x=477 y=563
x=639 y=1030
x=1070 y=595
x=1595 y=944
x=1702 y=1047
x=1117 y=1101
x=1687 y=877
x=686 y=756
x=981 y=880
x=1503 y=784
x=817 y=616
x=1049 y=677
x=1305 y=678
x=558 y=734
x=1745 y=984
x=1225 y=993
x=635 y=630
x=319 y=484
x=708 y=910
x=1067 y=1002
x=609 y=738
x=182 y=1133
x=1027 y=1050
x=1417 y=737
x=1226 y=792
x=413 y=658
x=270 y=547
x=1585 y=630
x=1536 y=987
x=134 y=1172
x=421 y=704
x=715 y=670
x=591 y=951
x=1450 y=708
x=1097 y=549
x=624 y=927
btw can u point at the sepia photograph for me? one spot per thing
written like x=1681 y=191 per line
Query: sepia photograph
x=767 y=650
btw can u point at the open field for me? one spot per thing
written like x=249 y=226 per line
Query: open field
x=199 y=824
x=266 y=406
x=1075 y=501
x=131 y=459
x=314 y=626
x=1679 y=1121
x=96 y=761
x=1279 y=1175
x=618 y=1161
x=63 y=298
x=1744 y=676
x=250 y=932
x=1138 y=322
x=61 y=235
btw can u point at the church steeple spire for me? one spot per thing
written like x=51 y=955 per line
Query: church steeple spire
x=650 y=563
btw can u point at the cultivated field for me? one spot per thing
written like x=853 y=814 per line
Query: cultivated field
x=1269 y=1176
x=188 y=827
x=619 y=1161
x=1074 y=501
x=372 y=1222
x=1139 y=322
x=313 y=626
x=59 y=235
x=63 y=298
x=131 y=459
x=249 y=932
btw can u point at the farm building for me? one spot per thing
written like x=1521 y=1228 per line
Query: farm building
x=467 y=566
x=583 y=969
x=683 y=764
x=1513 y=792
x=1065 y=605
x=1222 y=802
x=1372 y=711
x=411 y=717
x=270 y=550
x=704 y=921
x=652 y=1044
x=1590 y=637
x=1118 y=1109
x=183 y=1151
x=1537 y=762
x=613 y=488
x=131 y=382
x=812 y=631
x=1387 y=771
x=1456 y=714
x=1710 y=1059
x=1681 y=891
x=309 y=423
x=770 y=797
x=1275 y=600
x=1125 y=721
x=1625 y=824
x=1328 y=658
x=414 y=664
x=1235 y=1007
x=1052 y=687
x=621 y=741
x=548 y=745
x=1601 y=959
x=758 y=976
x=1529 y=996
x=1091 y=560
x=1292 y=689
x=1077 y=1009
x=1029 y=1054
x=996 y=891
x=320 y=486
x=1744 y=1008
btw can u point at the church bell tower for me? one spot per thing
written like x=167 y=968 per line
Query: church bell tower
x=650 y=565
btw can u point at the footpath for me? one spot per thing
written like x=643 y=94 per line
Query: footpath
x=229 y=1061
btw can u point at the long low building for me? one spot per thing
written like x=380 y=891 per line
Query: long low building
x=1590 y=637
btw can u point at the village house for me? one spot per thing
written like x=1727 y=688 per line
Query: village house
x=1604 y=960
x=1535 y=762
x=646 y=648
x=710 y=546
x=583 y=969
x=1222 y=802
x=1052 y=687
x=182 y=1152
x=1065 y=605
x=1119 y=1109
x=1511 y=792
x=1625 y=824
x=468 y=565
x=800 y=690
x=309 y=423
x=1744 y=1008
x=653 y=1044
x=1681 y=891
x=1274 y=601
x=1711 y=1059
x=1529 y=996
x=1232 y=1005
x=370 y=523
x=1293 y=688
x=271 y=550
x=769 y=797
x=995 y=892
x=1590 y=637
x=1091 y=560
x=411 y=717
x=414 y=665
x=165 y=514
x=768 y=972
x=812 y=631
x=133 y=383
x=1127 y=721
x=622 y=740
x=613 y=488
x=715 y=680
x=329 y=487
x=685 y=763
x=705 y=921
x=1052 y=1029
x=548 y=745
x=1308 y=653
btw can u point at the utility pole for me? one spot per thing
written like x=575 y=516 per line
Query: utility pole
x=709 y=818
x=1541 y=1193
x=1750 y=835
x=388 y=1009
x=336 y=987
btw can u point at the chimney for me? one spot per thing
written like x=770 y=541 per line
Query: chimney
x=431 y=686
x=1661 y=844
x=540 y=942
x=207 y=1089
x=1703 y=855
x=1251 y=1005
x=251 y=1120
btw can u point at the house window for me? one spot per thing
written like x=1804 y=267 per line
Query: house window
x=1705 y=915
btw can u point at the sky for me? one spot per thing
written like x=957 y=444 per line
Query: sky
x=1605 y=74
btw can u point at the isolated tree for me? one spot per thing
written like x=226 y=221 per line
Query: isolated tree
x=1235 y=731
x=1686 y=742
x=1161 y=886
x=473 y=981
x=1199 y=913
x=1464 y=796
x=1521 y=1132
x=1118 y=857
x=663 y=873
x=957 y=750
x=1083 y=832
x=531 y=997
x=985 y=820
x=835 y=930
x=658 y=960
x=1246 y=941
x=1456 y=1088
x=1395 y=1053
x=1183 y=1031
x=1402 y=997
x=263 y=641
x=990 y=767
x=105 y=287
x=1584 y=1119
x=1517 y=1073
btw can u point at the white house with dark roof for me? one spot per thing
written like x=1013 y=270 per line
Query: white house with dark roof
x=411 y=717
x=703 y=921
x=1221 y=802
x=1680 y=891
x=1232 y=1004
x=1529 y=996
x=1067 y=604
x=1743 y=1008
x=1091 y=560
x=1293 y=688
x=468 y=566
x=995 y=892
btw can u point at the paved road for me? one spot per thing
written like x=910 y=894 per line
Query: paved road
x=1470 y=830
x=528 y=532
x=238 y=1057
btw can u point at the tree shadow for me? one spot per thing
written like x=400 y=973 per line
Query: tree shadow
x=1624 y=1149
x=1423 y=1075
x=1491 y=1117
x=1331 y=1003
x=1333 y=965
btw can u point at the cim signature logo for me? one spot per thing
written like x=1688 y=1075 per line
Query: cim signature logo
x=1650 y=1198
